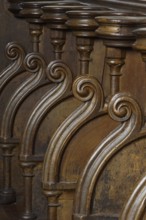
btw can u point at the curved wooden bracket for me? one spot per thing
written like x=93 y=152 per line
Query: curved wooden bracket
x=34 y=64
x=16 y=54
x=61 y=75
x=88 y=90
x=122 y=108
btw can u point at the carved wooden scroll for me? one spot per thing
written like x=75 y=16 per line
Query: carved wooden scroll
x=85 y=89
x=16 y=54
x=117 y=34
x=88 y=90
x=34 y=64
x=31 y=12
x=115 y=28
x=60 y=74
x=122 y=108
x=136 y=205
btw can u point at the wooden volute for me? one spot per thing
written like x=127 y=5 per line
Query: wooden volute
x=51 y=98
x=117 y=35
x=51 y=184
x=83 y=25
x=8 y=142
x=73 y=110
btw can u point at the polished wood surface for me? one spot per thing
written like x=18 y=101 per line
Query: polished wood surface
x=72 y=113
x=134 y=5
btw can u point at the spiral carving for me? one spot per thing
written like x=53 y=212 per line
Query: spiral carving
x=88 y=90
x=122 y=106
x=16 y=54
x=85 y=87
x=57 y=71
x=14 y=51
x=34 y=62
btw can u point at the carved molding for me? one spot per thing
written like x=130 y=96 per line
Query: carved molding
x=87 y=90
x=16 y=54
x=122 y=108
x=61 y=75
x=136 y=205
x=35 y=65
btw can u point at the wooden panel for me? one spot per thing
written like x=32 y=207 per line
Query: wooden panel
x=73 y=110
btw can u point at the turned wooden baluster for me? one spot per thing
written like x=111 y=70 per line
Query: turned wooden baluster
x=117 y=35
x=55 y=18
x=7 y=141
x=49 y=99
x=16 y=54
x=31 y=12
x=57 y=141
x=13 y=50
x=28 y=182
x=83 y=25
x=135 y=208
x=85 y=37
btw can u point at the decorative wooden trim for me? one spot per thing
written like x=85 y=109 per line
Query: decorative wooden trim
x=136 y=205
x=122 y=108
x=16 y=54
x=35 y=65
x=88 y=90
x=59 y=73
x=83 y=25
